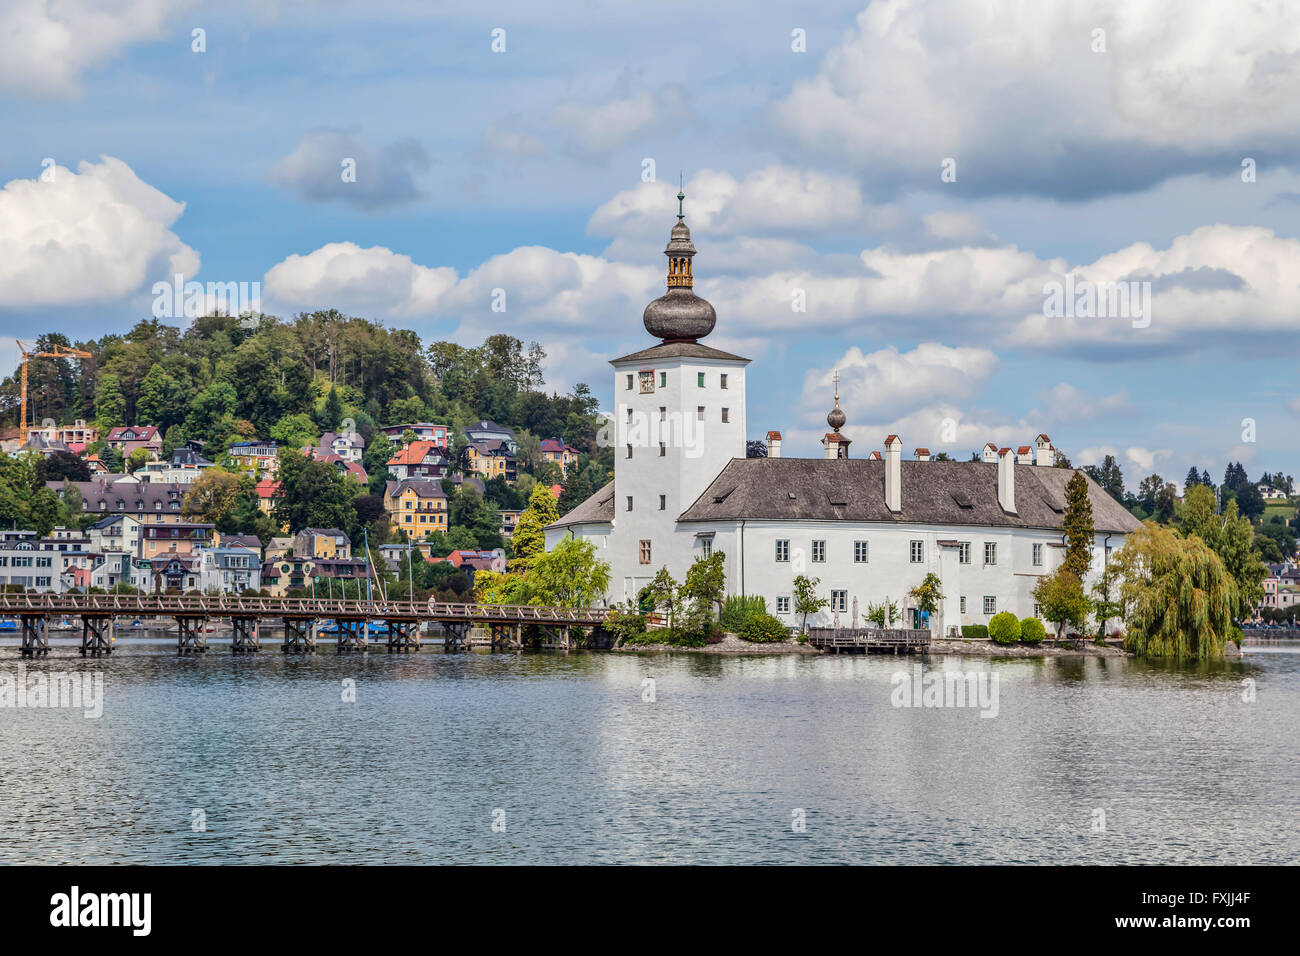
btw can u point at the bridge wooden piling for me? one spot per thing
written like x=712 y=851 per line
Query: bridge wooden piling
x=455 y=636
x=191 y=634
x=244 y=639
x=299 y=635
x=353 y=635
x=35 y=635
x=403 y=635
x=96 y=634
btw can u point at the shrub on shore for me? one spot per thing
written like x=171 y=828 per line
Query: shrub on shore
x=1032 y=631
x=736 y=610
x=763 y=628
x=974 y=632
x=1004 y=628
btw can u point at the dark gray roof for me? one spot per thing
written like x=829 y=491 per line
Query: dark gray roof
x=853 y=489
x=679 y=350
x=423 y=487
x=135 y=498
x=597 y=509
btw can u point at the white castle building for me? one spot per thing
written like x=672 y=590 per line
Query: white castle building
x=869 y=529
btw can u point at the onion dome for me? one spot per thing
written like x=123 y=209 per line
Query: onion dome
x=680 y=315
x=836 y=417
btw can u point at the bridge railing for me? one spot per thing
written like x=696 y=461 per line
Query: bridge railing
x=227 y=605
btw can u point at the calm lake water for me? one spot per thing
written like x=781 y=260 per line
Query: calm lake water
x=565 y=752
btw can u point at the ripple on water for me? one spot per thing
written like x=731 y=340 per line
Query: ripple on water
x=715 y=770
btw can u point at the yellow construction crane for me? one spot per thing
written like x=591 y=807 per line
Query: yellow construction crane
x=59 y=351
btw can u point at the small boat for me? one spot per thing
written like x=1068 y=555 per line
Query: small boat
x=8 y=624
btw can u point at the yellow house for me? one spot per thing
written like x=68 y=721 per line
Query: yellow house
x=322 y=543
x=491 y=459
x=417 y=506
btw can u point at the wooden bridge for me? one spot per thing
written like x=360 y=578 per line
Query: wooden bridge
x=302 y=619
x=866 y=639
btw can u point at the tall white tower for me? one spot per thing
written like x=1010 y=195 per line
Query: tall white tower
x=680 y=417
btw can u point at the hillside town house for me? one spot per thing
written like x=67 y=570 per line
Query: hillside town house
x=126 y=439
x=260 y=458
x=349 y=446
x=423 y=431
x=556 y=451
x=174 y=539
x=321 y=544
x=183 y=468
x=419 y=459
x=491 y=458
x=343 y=466
x=417 y=506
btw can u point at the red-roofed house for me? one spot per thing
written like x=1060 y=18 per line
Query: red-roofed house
x=557 y=451
x=127 y=438
x=419 y=459
x=267 y=493
x=476 y=560
x=344 y=466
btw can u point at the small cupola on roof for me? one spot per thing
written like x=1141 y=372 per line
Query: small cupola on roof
x=680 y=315
x=836 y=445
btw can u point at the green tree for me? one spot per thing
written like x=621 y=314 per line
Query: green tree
x=1108 y=476
x=313 y=494
x=928 y=594
x=1250 y=502
x=110 y=405
x=883 y=614
x=295 y=431
x=1061 y=597
x=569 y=575
x=530 y=536
x=703 y=589
x=806 y=599
x=211 y=496
x=62 y=466
x=162 y=399
x=332 y=414
x=1105 y=600
x=45 y=511
x=1078 y=527
x=482 y=519
x=1231 y=537
x=1179 y=599
x=661 y=594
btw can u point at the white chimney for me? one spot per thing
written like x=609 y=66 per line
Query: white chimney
x=1024 y=455
x=922 y=454
x=1046 y=454
x=1007 y=480
x=875 y=456
x=773 y=444
x=894 y=474
x=990 y=453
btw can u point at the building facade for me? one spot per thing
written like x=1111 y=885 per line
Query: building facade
x=867 y=529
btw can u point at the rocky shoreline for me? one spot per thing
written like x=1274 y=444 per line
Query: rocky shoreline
x=734 y=646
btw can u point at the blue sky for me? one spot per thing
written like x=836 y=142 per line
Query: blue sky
x=1115 y=157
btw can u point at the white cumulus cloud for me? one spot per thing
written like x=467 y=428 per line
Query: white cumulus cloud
x=1027 y=97
x=45 y=46
x=94 y=235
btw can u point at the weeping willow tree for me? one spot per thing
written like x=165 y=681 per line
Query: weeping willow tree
x=1178 y=598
